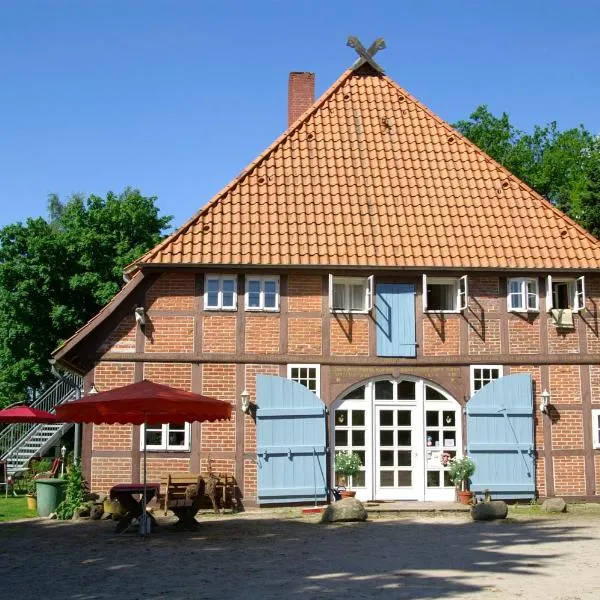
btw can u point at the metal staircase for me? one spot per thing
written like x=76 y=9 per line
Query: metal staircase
x=20 y=441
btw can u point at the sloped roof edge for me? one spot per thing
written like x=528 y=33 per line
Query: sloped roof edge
x=131 y=268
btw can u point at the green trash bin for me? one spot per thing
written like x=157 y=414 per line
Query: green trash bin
x=50 y=493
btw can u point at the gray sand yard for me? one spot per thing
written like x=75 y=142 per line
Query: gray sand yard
x=281 y=554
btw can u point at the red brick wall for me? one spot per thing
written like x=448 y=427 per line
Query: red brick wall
x=540 y=476
x=177 y=375
x=170 y=334
x=304 y=293
x=523 y=335
x=262 y=334
x=565 y=384
x=563 y=341
x=218 y=465
x=484 y=294
x=122 y=339
x=109 y=375
x=591 y=315
x=441 y=335
x=218 y=381
x=569 y=475
x=111 y=437
x=108 y=471
x=567 y=431
x=349 y=335
x=172 y=291
x=250 y=480
x=595 y=383
x=218 y=333
x=304 y=336
x=484 y=338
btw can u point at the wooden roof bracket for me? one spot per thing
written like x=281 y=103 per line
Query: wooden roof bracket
x=366 y=56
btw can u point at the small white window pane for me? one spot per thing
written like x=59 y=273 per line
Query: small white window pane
x=357 y=297
x=270 y=292
x=338 y=296
x=212 y=293
x=228 y=294
x=532 y=294
x=254 y=293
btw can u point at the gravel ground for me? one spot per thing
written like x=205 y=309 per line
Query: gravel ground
x=279 y=554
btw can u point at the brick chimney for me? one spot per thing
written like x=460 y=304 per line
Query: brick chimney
x=301 y=94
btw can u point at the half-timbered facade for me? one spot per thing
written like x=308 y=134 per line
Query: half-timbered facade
x=373 y=282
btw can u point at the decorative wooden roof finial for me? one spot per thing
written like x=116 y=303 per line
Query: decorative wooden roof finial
x=366 y=56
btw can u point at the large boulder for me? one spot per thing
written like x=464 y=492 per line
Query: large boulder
x=488 y=511
x=348 y=509
x=555 y=505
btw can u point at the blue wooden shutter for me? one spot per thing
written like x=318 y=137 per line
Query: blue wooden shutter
x=290 y=429
x=500 y=438
x=395 y=319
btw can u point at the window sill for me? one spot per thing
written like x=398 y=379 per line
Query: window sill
x=214 y=309
x=343 y=311
x=160 y=449
x=433 y=311
x=262 y=310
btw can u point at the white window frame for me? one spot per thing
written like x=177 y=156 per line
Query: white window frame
x=473 y=368
x=306 y=366
x=220 y=279
x=262 y=279
x=368 y=284
x=595 y=428
x=576 y=292
x=524 y=294
x=461 y=293
x=164 y=445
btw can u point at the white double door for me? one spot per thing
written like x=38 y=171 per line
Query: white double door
x=398 y=465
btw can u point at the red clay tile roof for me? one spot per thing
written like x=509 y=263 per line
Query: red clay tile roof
x=368 y=176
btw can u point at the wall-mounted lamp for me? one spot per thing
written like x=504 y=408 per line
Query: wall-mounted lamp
x=93 y=390
x=545 y=401
x=245 y=397
x=140 y=316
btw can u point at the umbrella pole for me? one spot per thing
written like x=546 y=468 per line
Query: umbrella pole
x=144 y=529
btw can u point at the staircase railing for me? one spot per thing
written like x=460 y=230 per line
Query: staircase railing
x=59 y=392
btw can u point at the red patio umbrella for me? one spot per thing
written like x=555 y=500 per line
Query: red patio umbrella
x=26 y=414
x=142 y=403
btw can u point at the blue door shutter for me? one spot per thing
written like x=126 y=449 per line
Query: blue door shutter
x=395 y=319
x=290 y=430
x=500 y=438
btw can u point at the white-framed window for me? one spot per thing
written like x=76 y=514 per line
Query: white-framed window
x=564 y=293
x=596 y=427
x=481 y=375
x=165 y=436
x=262 y=292
x=523 y=295
x=351 y=294
x=220 y=292
x=308 y=375
x=445 y=294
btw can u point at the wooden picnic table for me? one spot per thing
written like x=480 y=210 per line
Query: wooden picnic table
x=125 y=493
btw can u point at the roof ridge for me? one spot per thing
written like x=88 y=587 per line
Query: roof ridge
x=245 y=172
x=524 y=186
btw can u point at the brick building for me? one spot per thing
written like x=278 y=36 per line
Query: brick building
x=375 y=256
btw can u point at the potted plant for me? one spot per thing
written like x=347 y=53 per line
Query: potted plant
x=347 y=464
x=460 y=471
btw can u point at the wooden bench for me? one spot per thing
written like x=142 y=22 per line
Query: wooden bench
x=183 y=494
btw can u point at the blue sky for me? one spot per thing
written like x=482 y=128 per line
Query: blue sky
x=177 y=97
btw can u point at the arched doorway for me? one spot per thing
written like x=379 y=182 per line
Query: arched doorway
x=405 y=431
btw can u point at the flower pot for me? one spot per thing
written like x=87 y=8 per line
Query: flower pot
x=347 y=493
x=465 y=497
x=31 y=503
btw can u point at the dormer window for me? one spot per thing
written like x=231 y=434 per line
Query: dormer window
x=523 y=294
x=565 y=293
x=445 y=294
x=350 y=294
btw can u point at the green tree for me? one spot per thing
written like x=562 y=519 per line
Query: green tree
x=55 y=275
